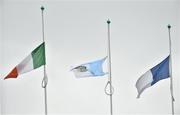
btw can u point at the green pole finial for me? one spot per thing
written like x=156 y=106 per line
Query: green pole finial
x=108 y=21
x=169 y=26
x=42 y=8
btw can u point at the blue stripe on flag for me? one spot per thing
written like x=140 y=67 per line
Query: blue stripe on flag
x=96 y=67
x=160 y=71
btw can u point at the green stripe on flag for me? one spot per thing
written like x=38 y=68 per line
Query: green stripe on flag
x=38 y=56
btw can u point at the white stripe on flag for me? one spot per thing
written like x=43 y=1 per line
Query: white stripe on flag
x=79 y=74
x=144 y=82
x=26 y=65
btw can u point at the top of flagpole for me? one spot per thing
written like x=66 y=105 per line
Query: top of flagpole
x=169 y=26
x=42 y=8
x=108 y=21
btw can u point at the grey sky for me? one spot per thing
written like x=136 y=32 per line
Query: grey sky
x=76 y=33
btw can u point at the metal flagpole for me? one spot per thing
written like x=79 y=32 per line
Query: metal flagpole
x=170 y=69
x=110 y=93
x=45 y=78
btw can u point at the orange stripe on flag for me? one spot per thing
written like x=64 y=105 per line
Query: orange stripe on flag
x=12 y=74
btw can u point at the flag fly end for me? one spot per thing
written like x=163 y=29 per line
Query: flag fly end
x=12 y=74
x=138 y=96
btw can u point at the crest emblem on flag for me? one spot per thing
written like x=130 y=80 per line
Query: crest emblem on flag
x=81 y=68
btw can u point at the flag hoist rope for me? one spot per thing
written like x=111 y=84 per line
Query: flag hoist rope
x=170 y=69
x=109 y=83
x=45 y=78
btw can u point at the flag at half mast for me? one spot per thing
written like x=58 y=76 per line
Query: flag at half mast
x=32 y=61
x=91 y=69
x=152 y=76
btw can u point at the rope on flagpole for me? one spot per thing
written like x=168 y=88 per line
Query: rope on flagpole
x=45 y=78
x=170 y=69
x=106 y=88
x=110 y=93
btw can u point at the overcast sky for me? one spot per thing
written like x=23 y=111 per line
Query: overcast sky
x=76 y=33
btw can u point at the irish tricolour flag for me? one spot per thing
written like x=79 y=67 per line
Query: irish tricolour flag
x=32 y=61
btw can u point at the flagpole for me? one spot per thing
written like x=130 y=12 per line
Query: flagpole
x=170 y=69
x=45 y=78
x=109 y=68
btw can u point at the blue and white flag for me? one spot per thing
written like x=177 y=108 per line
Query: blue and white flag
x=157 y=73
x=91 y=69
